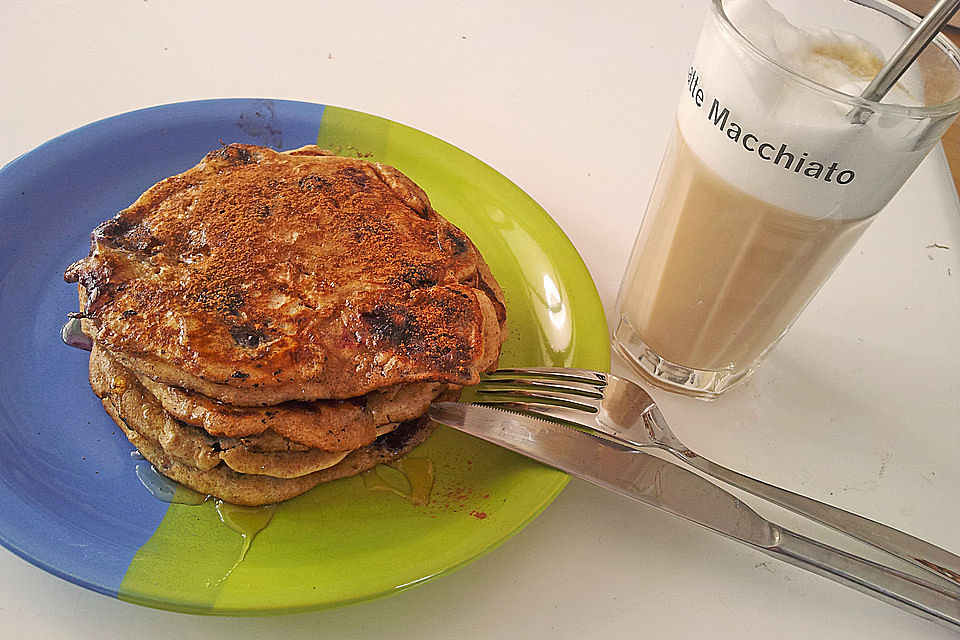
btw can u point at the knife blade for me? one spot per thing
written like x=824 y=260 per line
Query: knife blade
x=673 y=489
x=631 y=473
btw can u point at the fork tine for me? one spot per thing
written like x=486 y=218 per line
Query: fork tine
x=586 y=373
x=509 y=384
x=538 y=399
x=584 y=376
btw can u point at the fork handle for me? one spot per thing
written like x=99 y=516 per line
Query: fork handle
x=893 y=587
x=933 y=559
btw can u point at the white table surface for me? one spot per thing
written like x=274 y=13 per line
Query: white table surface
x=859 y=405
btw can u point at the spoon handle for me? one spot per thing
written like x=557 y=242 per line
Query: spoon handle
x=901 y=60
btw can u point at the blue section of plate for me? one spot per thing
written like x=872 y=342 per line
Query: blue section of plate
x=67 y=503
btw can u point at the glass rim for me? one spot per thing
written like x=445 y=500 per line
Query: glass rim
x=883 y=6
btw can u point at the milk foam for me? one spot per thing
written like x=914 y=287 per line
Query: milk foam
x=842 y=61
x=798 y=127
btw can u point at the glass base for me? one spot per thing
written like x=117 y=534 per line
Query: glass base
x=704 y=384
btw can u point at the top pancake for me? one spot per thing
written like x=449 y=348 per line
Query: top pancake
x=258 y=277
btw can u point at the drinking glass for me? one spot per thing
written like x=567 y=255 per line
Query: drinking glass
x=768 y=180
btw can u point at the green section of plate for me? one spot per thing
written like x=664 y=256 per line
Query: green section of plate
x=342 y=543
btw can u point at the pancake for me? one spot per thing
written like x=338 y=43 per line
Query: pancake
x=259 y=277
x=250 y=471
x=256 y=490
x=332 y=425
x=267 y=321
x=267 y=453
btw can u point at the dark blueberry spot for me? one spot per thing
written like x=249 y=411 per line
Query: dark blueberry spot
x=123 y=233
x=419 y=276
x=247 y=337
x=358 y=401
x=240 y=375
x=310 y=183
x=458 y=243
x=356 y=177
x=397 y=440
x=113 y=228
x=391 y=323
x=128 y=313
x=235 y=154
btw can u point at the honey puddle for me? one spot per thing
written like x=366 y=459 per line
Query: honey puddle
x=410 y=478
x=163 y=488
x=74 y=337
x=247 y=521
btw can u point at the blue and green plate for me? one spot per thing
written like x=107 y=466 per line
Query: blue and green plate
x=70 y=501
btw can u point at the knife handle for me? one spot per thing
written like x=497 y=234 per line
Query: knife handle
x=939 y=562
x=889 y=585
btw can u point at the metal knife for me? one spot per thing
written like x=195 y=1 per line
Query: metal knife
x=671 y=488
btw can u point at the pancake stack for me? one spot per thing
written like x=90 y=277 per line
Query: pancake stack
x=267 y=321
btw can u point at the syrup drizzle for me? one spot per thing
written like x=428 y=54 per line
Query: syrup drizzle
x=72 y=335
x=162 y=487
x=412 y=479
x=248 y=522
x=409 y=478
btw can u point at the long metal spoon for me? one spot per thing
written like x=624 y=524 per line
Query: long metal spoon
x=903 y=57
x=901 y=60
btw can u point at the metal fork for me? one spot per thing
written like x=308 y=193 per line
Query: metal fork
x=625 y=415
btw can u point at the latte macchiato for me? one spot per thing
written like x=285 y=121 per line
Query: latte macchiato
x=767 y=183
x=721 y=273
